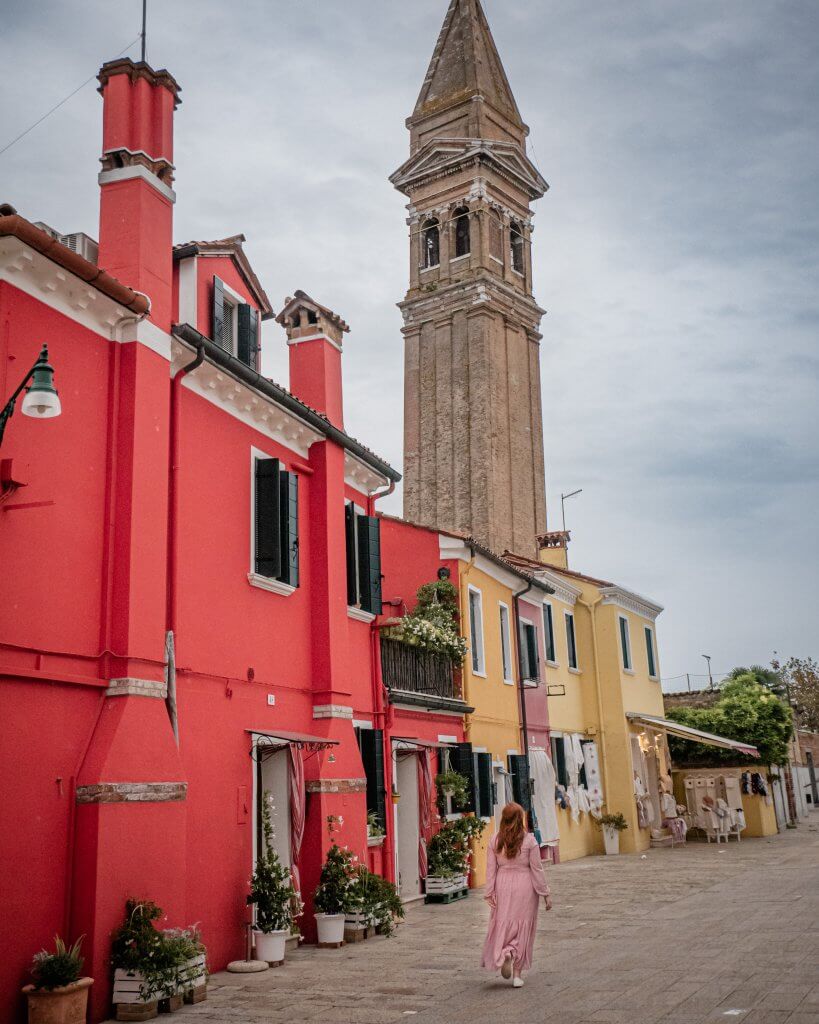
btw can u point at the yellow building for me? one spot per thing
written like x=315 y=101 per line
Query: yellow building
x=487 y=585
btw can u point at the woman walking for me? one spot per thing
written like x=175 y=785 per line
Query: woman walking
x=514 y=884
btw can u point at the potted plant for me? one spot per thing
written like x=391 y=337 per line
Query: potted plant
x=612 y=825
x=396 y=796
x=449 y=853
x=332 y=897
x=188 y=951
x=147 y=964
x=272 y=894
x=59 y=995
x=454 y=785
x=386 y=907
x=375 y=830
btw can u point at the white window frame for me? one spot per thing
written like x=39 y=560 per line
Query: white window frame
x=479 y=648
x=648 y=632
x=253 y=578
x=506 y=644
x=232 y=301
x=626 y=659
x=549 y=632
x=576 y=667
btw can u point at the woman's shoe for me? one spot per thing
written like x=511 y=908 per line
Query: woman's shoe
x=506 y=969
x=517 y=982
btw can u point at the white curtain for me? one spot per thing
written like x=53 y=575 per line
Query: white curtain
x=424 y=808
x=543 y=775
x=297 y=809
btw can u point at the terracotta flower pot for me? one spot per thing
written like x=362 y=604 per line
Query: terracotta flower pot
x=65 y=1005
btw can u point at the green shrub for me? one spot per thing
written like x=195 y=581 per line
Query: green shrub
x=60 y=968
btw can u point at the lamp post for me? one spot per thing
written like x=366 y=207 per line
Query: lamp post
x=710 y=677
x=563 y=498
x=41 y=400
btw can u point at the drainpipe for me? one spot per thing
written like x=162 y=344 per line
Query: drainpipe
x=521 y=689
x=173 y=467
x=465 y=591
x=592 y=608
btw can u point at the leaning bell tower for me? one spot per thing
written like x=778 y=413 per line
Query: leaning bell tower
x=473 y=437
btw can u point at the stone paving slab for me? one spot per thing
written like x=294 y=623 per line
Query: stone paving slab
x=695 y=935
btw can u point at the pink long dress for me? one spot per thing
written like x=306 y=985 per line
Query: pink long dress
x=517 y=885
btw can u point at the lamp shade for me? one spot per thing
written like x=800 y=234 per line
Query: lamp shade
x=41 y=399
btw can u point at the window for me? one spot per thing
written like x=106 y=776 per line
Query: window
x=652 y=661
x=275 y=522
x=486 y=789
x=625 y=643
x=363 y=543
x=549 y=631
x=465 y=762
x=462 y=240
x=528 y=650
x=235 y=324
x=506 y=646
x=516 y=247
x=558 y=745
x=521 y=782
x=430 y=245
x=570 y=640
x=371 y=746
x=476 y=631
x=495 y=237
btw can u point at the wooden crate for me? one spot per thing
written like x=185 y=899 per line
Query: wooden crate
x=438 y=886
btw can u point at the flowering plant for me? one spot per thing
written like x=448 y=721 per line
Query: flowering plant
x=338 y=872
x=433 y=623
x=139 y=947
x=450 y=849
x=271 y=888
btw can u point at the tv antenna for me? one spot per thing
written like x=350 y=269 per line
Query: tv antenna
x=563 y=499
x=144 y=23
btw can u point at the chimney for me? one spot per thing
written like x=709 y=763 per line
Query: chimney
x=553 y=548
x=314 y=336
x=136 y=197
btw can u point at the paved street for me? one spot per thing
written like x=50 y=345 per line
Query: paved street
x=702 y=933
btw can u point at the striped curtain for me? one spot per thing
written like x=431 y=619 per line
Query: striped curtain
x=297 y=808
x=424 y=808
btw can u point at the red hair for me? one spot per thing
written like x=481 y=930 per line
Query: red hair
x=512 y=830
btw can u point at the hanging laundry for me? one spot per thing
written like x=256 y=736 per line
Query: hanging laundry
x=593 y=785
x=746 y=782
x=542 y=773
x=642 y=820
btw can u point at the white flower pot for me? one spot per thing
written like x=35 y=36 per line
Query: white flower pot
x=330 y=927
x=270 y=946
x=611 y=839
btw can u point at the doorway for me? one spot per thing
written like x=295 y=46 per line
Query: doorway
x=273 y=780
x=407 y=831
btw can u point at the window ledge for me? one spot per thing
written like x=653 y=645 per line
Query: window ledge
x=509 y=682
x=531 y=684
x=576 y=671
x=518 y=272
x=654 y=679
x=375 y=840
x=433 y=266
x=480 y=675
x=495 y=258
x=553 y=664
x=464 y=256
x=359 y=614
x=628 y=671
x=266 y=583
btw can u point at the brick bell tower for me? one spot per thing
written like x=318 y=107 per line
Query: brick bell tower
x=473 y=437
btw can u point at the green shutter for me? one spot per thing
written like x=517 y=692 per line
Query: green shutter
x=247 y=343
x=559 y=760
x=624 y=643
x=371 y=742
x=486 y=803
x=531 y=651
x=548 y=622
x=289 y=528
x=521 y=785
x=369 y=563
x=652 y=668
x=266 y=516
x=218 y=332
x=463 y=761
x=352 y=560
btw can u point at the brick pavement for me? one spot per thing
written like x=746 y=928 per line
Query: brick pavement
x=686 y=936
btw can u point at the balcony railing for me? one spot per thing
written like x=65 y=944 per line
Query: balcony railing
x=414 y=670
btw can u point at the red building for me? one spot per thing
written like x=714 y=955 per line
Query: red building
x=192 y=581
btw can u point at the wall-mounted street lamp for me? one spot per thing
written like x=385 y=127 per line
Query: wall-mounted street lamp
x=41 y=401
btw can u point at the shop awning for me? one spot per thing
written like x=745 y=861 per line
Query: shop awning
x=408 y=743
x=265 y=740
x=685 y=732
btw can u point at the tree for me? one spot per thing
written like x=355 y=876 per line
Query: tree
x=770 y=677
x=746 y=711
x=801 y=678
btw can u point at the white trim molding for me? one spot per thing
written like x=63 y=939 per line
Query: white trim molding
x=136 y=171
x=266 y=583
x=360 y=476
x=563 y=591
x=332 y=711
x=359 y=614
x=314 y=337
x=631 y=602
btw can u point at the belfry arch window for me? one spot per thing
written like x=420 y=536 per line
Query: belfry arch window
x=430 y=244
x=516 y=246
x=460 y=220
x=495 y=237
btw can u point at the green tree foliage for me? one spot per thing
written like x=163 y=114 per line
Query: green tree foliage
x=433 y=623
x=769 y=677
x=746 y=711
x=335 y=893
x=800 y=677
x=271 y=888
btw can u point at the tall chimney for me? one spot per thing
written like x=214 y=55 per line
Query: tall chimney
x=314 y=336
x=136 y=197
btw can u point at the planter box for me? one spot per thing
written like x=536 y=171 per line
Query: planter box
x=170 y=1004
x=193 y=980
x=128 y=1002
x=442 y=886
x=64 y=1005
x=357 y=919
x=375 y=840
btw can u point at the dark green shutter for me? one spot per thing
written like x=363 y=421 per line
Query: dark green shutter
x=531 y=651
x=548 y=622
x=266 y=516
x=371 y=742
x=369 y=563
x=352 y=565
x=559 y=760
x=289 y=528
x=219 y=312
x=247 y=343
x=486 y=803
x=463 y=762
x=652 y=668
x=521 y=785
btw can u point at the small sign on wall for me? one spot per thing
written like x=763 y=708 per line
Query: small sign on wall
x=271 y=699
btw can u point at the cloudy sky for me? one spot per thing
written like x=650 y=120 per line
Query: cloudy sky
x=676 y=251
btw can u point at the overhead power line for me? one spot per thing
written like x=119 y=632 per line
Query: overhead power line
x=65 y=99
